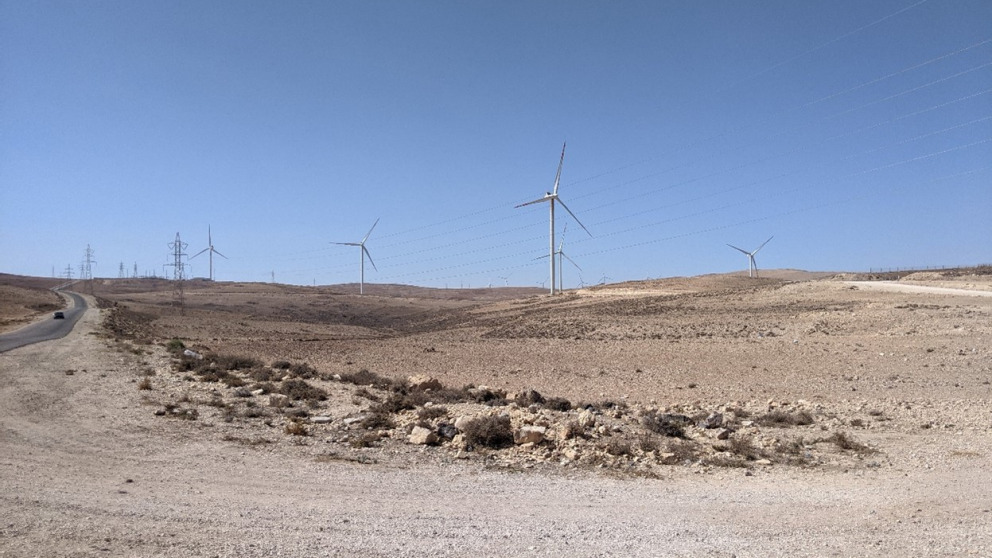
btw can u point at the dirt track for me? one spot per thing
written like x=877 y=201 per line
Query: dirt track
x=87 y=469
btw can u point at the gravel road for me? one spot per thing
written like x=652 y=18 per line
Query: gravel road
x=87 y=470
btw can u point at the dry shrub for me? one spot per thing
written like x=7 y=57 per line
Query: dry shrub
x=572 y=429
x=682 y=450
x=364 y=392
x=648 y=443
x=377 y=420
x=281 y=365
x=528 y=398
x=783 y=418
x=432 y=412
x=670 y=425
x=304 y=371
x=300 y=390
x=489 y=431
x=145 y=384
x=263 y=375
x=617 y=447
x=743 y=446
x=366 y=440
x=846 y=442
x=365 y=378
x=558 y=404
x=296 y=428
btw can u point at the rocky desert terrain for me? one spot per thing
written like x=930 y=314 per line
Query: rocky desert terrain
x=797 y=414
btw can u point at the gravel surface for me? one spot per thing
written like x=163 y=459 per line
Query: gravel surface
x=87 y=469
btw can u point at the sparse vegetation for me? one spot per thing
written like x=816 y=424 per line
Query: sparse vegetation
x=670 y=425
x=780 y=418
x=489 y=431
x=145 y=384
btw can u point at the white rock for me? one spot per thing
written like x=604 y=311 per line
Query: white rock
x=529 y=435
x=587 y=419
x=424 y=382
x=422 y=436
x=320 y=420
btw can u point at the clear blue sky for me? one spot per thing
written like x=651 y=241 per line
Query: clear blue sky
x=858 y=133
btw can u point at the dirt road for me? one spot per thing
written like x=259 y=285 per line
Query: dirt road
x=897 y=287
x=86 y=469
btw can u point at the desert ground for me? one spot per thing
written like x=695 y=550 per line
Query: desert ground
x=799 y=414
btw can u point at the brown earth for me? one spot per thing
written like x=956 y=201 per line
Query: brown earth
x=95 y=465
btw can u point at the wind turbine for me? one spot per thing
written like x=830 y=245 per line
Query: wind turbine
x=210 y=248
x=362 y=254
x=561 y=264
x=551 y=198
x=752 y=266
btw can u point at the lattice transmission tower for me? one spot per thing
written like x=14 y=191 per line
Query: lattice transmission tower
x=178 y=249
x=86 y=273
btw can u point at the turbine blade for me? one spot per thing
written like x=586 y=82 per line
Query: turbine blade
x=210 y=238
x=564 y=255
x=347 y=243
x=219 y=254
x=573 y=216
x=198 y=253
x=369 y=256
x=742 y=251
x=545 y=198
x=370 y=231
x=558 y=175
x=762 y=245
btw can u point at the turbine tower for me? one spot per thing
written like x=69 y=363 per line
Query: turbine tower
x=210 y=248
x=752 y=266
x=551 y=198
x=561 y=264
x=363 y=252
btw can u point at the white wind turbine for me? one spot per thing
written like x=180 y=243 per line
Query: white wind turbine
x=752 y=266
x=551 y=198
x=363 y=252
x=210 y=248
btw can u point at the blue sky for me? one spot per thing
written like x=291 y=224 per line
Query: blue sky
x=859 y=134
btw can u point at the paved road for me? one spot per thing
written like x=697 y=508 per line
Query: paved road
x=45 y=329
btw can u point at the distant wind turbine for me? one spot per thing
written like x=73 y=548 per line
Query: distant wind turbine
x=551 y=198
x=210 y=248
x=363 y=253
x=561 y=264
x=752 y=266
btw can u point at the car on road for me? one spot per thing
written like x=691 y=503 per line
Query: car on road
x=59 y=316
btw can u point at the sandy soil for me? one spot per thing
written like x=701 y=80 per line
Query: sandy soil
x=87 y=468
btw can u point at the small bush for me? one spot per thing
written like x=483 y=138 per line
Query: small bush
x=648 y=443
x=489 y=431
x=377 y=420
x=281 y=365
x=783 y=418
x=364 y=392
x=263 y=375
x=296 y=428
x=617 y=447
x=365 y=378
x=175 y=346
x=672 y=426
x=432 y=412
x=398 y=402
x=682 y=450
x=145 y=384
x=744 y=447
x=304 y=371
x=529 y=397
x=558 y=404
x=845 y=442
x=300 y=390
x=231 y=362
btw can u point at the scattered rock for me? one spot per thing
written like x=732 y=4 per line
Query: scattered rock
x=424 y=382
x=714 y=420
x=422 y=436
x=320 y=420
x=587 y=419
x=529 y=435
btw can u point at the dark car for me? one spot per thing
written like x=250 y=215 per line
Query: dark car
x=59 y=316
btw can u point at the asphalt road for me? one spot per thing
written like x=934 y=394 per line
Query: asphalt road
x=46 y=329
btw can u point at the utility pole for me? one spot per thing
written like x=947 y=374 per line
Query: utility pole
x=120 y=274
x=68 y=272
x=135 y=270
x=89 y=261
x=178 y=249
